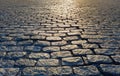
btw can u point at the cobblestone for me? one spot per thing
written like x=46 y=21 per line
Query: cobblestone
x=59 y=43
x=48 y=62
x=51 y=49
x=65 y=70
x=116 y=58
x=39 y=55
x=69 y=47
x=29 y=71
x=6 y=63
x=25 y=62
x=78 y=42
x=109 y=69
x=59 y=38
x=82 y=51
x=9 y=71
x=16 y=54
x=99 y=59
x=61 y=54
x=86 y=70
x=42 y=43
x=53 y=38
x=90 y=46
x=72 y=61
x=2 y=54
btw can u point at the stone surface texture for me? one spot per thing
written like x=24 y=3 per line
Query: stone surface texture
x=59 y=37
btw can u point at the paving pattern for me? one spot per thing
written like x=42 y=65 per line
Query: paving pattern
x=59 y=37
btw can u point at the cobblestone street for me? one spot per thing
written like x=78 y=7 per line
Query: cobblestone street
x=59 y=37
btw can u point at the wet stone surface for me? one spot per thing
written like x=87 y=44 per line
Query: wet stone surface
x=59 y=37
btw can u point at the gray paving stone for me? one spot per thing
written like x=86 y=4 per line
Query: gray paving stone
x=51 y=49
x=78 y=42
x=48 y=62
x=107 y=51
x=110 y=46
x=8 y=43
x=92 y=36
x=96 y=40
x=53 y=38
x=18 y=38
x=73 y=33
x=9 y=71
x=71 y=61
x=70 y=38
x=59 y=34
x=116 y=58
x=99 y=59
x=25 y=62
x=82 y=51
x=15 y=48
x=15 y=54
x=58 y=43
x=31 y=71
x=39 y=55
x=32 y=48
x=64 y=26
x=3 y=48
x=86 y=71
x=89 y=45
x=6 y=63
x=111 y=69
x=65 y=70
x=2 y=54
x=37 y=37
x=61 y=54
x=69 y=47
x=26 y=42
x=42 y=43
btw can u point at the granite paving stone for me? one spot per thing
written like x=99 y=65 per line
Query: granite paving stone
x=111 y=69
x=82 y=51
x=116 y=58
x=39 y=55
x=99 y=59
x=25 y=62
x=59 y=37
x=72 y=61
x=61 y=54
x=9 y=71
x=86 y=71
x=48 y=62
